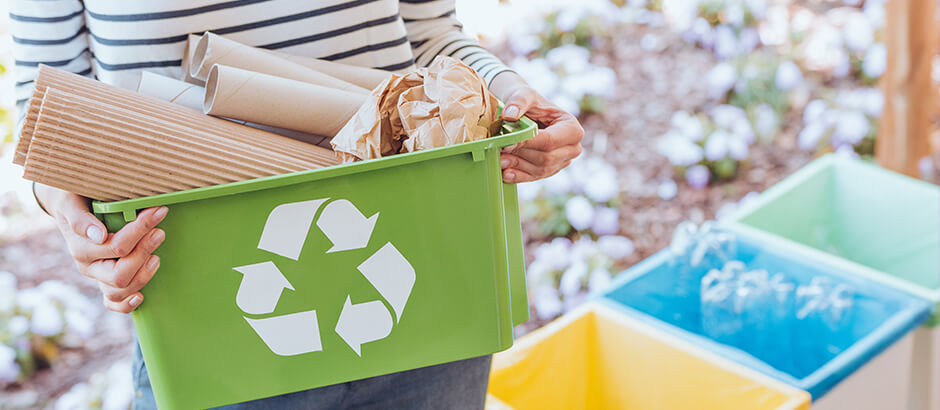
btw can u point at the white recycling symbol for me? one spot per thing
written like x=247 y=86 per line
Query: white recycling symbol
x=284 y=234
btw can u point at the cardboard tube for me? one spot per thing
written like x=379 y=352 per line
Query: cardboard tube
x=187 y=60
x=213 y=49
x=367 y=78
x=192 y=96
x=170 y=90
x=279 y=102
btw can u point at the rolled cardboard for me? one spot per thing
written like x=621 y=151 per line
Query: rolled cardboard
x=110 y=144
x=192 y=96
x=187 y=60
x=100 y=145
x=237 y=135
x=265 y=99
x=29 y=123
x=213 y=49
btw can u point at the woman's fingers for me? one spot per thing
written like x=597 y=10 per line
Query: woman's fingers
x=119 y=244
x=141 y=277
x=127 y=305
x=119 y=273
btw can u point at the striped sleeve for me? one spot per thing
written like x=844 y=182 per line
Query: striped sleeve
x=433 y=30
x=50 y=32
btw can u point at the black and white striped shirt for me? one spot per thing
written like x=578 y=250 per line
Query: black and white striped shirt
x=114 y=40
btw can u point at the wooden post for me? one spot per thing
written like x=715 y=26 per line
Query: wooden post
x=910 y=98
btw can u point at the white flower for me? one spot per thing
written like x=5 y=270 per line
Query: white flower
x=46 y=321
x=851 y=128
x=734 y=13
x=546 y=301
x=843 y=65
x=758 y=8
x=566 y=103
x=18 y=325
x=720 y=79
x=7 y=281
x=788 y=76
x=680 y=13
x=583 y=250
x=679 y=150
x=529 y=191
x=615 y=246
x=722 y=144
x=554 y=254
x=726 y=42
x=876 y=59
x=523 y=44
x=9 y=368
x=667 y=190
x=688 y=125
x=697 y=176
x=846 y=151
x=814 y=111
x=599 y=280
x=120 y=389
x=765 y=118
x=872 y=101
x=580 y=212
x=77 y=398
x=30 y=299
x=748 y=40
x=560 y=183
x=571 y=58
x=727 y=116
x=79 y=324
x=568 y=18
x=606 y=221
x=603 y=186
x=537 y=73
x=570 y=283
x=810 y=135
x=858 y=32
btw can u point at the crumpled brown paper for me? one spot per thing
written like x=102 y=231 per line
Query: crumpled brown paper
x=444 y=104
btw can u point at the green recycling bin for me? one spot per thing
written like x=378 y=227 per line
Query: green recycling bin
x=867 y=221
x=297 y=281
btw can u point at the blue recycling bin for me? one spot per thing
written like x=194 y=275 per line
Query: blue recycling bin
x=806 y=353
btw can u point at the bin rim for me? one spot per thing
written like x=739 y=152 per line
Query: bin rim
x=610 y=311
x=817 y=166
x=824 y=378
x=734 y=223
x=513 y=133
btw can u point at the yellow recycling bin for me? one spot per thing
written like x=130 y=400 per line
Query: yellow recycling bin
x=597 y=358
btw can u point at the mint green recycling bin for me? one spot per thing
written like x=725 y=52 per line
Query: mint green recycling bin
x=867 y=221
x=297 y=281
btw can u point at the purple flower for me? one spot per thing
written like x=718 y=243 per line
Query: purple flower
x=615 y=246
x=697 y=176
x=788 y=76
x=606 y=221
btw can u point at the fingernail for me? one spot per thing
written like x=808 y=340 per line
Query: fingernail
x=504 y=163
x=94 y=233
x=160 y=213
x=511 y=175
x=134 y=301
x=157 y=237
x=153 y=263
x=511 y=112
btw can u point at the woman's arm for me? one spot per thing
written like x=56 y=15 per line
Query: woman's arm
x=52 y=32
x=433 y=30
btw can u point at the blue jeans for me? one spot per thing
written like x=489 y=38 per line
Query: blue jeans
x=456 y=385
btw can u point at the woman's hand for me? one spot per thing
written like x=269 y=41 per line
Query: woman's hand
x=122 y=263
x=559 y=136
